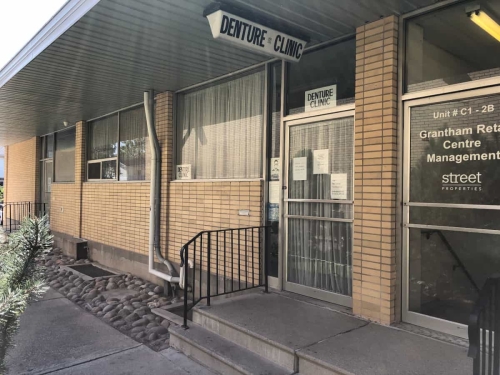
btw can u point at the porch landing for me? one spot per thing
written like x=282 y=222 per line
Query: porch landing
x=310 y=338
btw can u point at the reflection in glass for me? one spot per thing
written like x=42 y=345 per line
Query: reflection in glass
x=109 y=170
x=94 y=171
x=103 y=138
x=330 y=66
x=445 y=47
x=65 y=155
x=133 y=145
x=447 y=269
x=434 y=129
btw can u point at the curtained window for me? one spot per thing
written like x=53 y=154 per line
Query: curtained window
x=64 y=158
x=118 y=147
x=221 y=127
x=134 y=145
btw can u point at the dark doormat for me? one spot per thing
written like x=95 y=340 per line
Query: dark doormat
x=91 y=270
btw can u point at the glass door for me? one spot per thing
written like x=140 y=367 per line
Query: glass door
x=319 y=207
x=451 y=206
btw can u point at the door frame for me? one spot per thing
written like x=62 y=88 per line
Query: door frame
x=446 y=326
x=337 y=113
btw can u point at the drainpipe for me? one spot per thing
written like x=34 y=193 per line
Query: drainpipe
x=155 y=190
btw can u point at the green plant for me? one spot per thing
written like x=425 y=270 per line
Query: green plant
x=21 y=276
x=1 y=194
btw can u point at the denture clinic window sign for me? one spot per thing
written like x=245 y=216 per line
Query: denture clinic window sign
x=455 y=152
x=322 y=98
x=253 y=36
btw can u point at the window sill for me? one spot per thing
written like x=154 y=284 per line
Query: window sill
x=115 y=182
x=217 y=180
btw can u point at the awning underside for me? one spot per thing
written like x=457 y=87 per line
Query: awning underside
x=120 y=48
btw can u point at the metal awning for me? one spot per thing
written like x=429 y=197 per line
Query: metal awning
x=96 y=56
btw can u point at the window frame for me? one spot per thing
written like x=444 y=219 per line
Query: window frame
x=117 y=157
x=262 y=67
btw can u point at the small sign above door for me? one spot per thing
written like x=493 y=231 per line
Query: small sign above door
x=251 y=35
x=321 y=98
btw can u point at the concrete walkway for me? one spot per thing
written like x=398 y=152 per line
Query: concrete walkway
x=58 y=337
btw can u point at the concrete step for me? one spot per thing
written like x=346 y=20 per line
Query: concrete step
x=220 y=354
x=271 y=350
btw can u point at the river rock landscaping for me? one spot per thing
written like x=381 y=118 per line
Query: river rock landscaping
x=131 y=314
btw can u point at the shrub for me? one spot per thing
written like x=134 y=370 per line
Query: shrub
x=21 y=276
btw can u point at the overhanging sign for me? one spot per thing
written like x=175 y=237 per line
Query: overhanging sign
x=251 y=35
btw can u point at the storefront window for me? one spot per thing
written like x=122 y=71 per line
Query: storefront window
x=322 y=79
x=446 y=47
x=220 y=129
x=454 y=174
x=118 y=147
x=64 y=167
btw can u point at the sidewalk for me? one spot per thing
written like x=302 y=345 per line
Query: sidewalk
x=58 y=337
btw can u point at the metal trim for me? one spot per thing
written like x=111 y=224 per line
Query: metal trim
x=225 y=76
x=318 y=218
x=217 y=180
x=288 y=286
x=310 y=115
x=453 y=229
x=437 y=324
x=133 y=106
x=320 y=294
x=458 y=87
x=319 y=201
x=453 y=205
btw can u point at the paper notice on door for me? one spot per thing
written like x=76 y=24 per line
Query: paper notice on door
x=274 y=191
x=275 y=169
x=300 y=169
x=338 y=186
x=321 y=162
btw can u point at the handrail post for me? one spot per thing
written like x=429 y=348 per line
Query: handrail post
x=208 y=269
x=186 y=269
x=266 y=271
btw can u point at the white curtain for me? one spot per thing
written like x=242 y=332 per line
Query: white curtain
x=134 y=145
x=221 y=129
x=320 y=251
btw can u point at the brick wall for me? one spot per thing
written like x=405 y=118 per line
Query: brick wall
x=198 y=206
x=374 y=251
x=116 y=214
x=64 y=210
x=22 y=171
x=190 y=207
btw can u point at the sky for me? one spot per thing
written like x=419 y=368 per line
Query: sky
x=20 y=20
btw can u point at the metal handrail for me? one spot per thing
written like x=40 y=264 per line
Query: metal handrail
x=13 y=213
x=212 y=236
x=484 y=322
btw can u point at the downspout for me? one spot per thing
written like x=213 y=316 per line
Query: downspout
x=155 y=191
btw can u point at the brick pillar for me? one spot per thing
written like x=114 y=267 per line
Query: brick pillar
x=164 y=129
x=374 y=252
x=80 y=167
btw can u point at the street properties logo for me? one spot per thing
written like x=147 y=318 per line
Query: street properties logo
x=461 y=182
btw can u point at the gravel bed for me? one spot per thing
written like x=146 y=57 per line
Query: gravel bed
x=130 y=314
